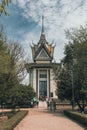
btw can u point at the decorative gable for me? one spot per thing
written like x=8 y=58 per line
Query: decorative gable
x=43 y=51
x=42 y=55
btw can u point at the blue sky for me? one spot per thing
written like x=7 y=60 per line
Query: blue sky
x=24 y=22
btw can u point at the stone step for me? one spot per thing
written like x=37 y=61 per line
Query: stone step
x=42 y=104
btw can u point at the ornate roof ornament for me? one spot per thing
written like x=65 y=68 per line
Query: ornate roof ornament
x=42 y=37
x=42 y=44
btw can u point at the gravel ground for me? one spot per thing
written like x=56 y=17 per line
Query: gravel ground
x=41 y=119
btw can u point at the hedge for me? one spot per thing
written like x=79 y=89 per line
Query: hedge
x=13 y=121
x=79 y=117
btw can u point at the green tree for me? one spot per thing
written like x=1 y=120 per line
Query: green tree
x=12 y=66
x=64 y=90
x=21 y=95
x=75 y=61
x=4 y=65
x=12 y=72
x=17 y=61
x=3 y=5
x=16 y=72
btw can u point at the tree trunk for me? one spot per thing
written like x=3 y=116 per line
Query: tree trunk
x=81 y=107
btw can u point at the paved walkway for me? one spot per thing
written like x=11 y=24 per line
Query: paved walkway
x=41 y=119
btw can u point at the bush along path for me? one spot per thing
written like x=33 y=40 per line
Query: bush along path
x=78 y=117
x=13 y=121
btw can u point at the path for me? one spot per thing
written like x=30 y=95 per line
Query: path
x=41 y=119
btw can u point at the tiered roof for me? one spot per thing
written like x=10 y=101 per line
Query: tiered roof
x=43 y=50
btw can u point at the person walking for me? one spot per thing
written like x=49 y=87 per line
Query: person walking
x=52 y=105
x=47 y=102
x=37 y=103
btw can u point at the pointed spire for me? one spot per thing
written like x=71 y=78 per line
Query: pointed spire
x=42 y=37
x=42 y=24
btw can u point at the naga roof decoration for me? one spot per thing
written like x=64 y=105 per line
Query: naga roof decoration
x=36 y=48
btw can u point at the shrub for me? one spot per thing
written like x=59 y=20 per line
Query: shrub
x=12 y=122
x=11 y=113
x=79 y=117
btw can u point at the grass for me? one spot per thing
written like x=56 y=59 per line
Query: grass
x=13 y=121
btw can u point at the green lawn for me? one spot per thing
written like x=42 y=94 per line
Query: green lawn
x=13 y=121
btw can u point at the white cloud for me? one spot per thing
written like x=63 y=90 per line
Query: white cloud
x=59 y=15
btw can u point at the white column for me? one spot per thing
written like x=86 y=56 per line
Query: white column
x=38 y=83
x=47 y=82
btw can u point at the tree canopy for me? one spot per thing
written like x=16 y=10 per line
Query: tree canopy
x=12 y=72
x=3 y=5
x=75 y=64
